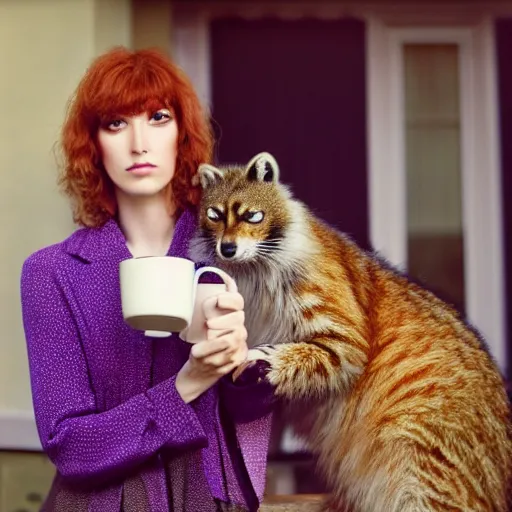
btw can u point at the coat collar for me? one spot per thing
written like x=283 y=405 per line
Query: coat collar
x=109 y=242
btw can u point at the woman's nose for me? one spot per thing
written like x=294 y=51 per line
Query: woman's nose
x=138 y=141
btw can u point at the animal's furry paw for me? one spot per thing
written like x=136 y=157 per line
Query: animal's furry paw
x=304 y=370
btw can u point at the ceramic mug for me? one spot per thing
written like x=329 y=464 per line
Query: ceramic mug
x=158 y=294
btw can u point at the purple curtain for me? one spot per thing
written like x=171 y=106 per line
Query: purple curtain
x=297 y=90
x=504 y=62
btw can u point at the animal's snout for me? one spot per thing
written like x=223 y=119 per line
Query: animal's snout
x=228 y=249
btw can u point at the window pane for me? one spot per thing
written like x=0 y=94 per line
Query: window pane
x=432 y=137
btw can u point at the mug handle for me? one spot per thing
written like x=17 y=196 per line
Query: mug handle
x=228 y=280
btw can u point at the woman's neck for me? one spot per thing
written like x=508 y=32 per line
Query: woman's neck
x=147 y=223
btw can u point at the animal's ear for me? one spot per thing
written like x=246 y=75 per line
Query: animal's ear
x=208 y=175
x=263 y=167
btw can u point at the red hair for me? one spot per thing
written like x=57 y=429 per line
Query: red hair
x=124 y=82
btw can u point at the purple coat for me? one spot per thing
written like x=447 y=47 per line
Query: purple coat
x=106 y=406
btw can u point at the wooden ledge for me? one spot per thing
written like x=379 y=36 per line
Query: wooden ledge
x=292 y=503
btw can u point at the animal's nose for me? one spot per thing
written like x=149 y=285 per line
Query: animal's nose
x=228 y=249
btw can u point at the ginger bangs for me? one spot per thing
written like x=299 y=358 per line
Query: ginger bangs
x=126 y=87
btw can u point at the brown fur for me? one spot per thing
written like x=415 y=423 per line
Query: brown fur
x=396 y=395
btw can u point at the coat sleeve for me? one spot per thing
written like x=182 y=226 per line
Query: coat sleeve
x=251 y=397
x=83 y=443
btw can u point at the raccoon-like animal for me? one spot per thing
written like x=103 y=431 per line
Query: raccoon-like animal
x=395 y=394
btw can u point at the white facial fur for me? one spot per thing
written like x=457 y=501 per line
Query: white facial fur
x=246 y=249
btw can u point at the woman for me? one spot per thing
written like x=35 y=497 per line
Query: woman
x=131 y=422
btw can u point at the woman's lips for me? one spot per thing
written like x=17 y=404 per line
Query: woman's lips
x=141 y=169
x=134 y=167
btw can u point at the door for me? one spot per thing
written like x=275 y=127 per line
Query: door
x=297 y=90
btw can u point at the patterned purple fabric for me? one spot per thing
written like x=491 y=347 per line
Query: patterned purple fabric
x=107 y=410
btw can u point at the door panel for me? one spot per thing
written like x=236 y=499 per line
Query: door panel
x=297 y=90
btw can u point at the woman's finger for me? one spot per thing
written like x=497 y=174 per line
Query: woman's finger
x=213 y=334
x=224 y=358
x=228 y=368
x=221 y=304
x=205 y=348
x=231 y=301
x=232 y=320
x=220 y=359
x=235 y=352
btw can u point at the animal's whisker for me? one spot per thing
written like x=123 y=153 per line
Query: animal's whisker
x=266 y=250
x=271 y=246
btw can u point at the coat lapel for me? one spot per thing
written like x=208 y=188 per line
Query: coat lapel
x=93 y=244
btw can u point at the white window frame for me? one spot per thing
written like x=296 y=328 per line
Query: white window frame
x=389 y=25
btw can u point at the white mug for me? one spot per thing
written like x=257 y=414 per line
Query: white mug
x=158 y=293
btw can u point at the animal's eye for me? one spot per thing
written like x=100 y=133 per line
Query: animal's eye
x=253 y=217
x=213 y=214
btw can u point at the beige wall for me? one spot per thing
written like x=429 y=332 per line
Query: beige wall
x=45 y=46
x=151 y=24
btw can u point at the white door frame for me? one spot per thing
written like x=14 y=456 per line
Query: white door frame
x=388 y=27
x=480 y=162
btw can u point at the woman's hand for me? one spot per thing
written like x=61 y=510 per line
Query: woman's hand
x=224 y=349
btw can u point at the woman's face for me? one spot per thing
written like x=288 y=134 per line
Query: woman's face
x=139 y=152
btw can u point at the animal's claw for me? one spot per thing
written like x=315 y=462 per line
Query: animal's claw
x=254 y=355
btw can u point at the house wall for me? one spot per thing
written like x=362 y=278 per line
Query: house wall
x=45 y=47
x=152 y=24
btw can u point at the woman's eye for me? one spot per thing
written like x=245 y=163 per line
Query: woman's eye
x=115 y=125
x=161 y=115
x=254 y=217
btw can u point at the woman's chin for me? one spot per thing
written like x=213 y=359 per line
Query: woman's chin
x=146 y=189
